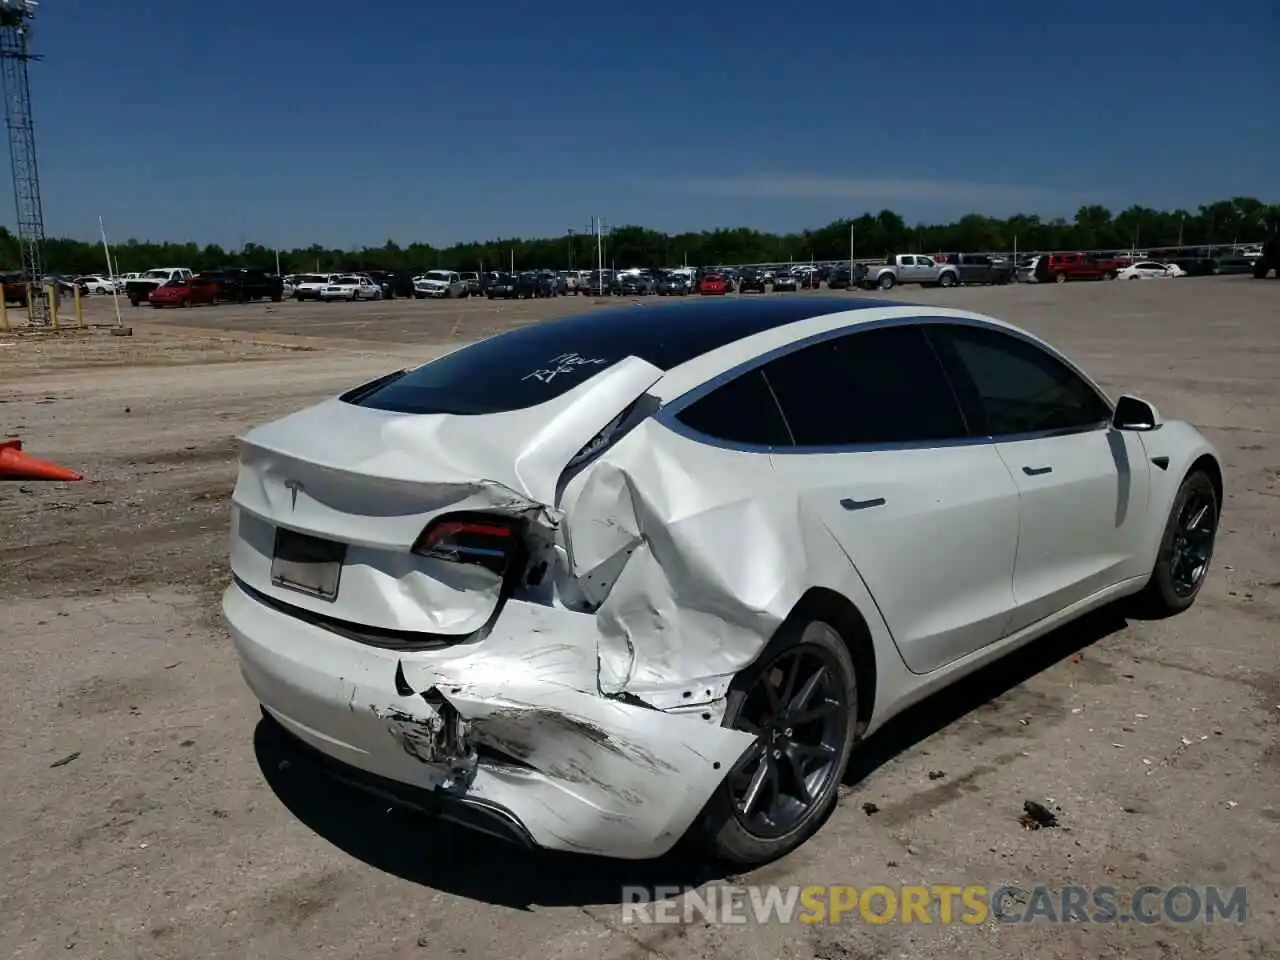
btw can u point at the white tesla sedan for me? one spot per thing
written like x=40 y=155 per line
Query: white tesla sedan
x=603 y=582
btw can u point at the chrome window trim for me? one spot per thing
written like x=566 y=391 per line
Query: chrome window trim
x=669 y=412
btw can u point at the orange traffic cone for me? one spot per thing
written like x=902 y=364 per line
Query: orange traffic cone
x=16 y=465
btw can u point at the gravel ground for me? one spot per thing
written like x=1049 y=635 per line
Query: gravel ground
x=148 y=816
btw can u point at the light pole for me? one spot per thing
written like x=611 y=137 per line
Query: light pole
x=570 y=248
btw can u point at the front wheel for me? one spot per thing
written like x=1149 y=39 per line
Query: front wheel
x=800 y=701
x=1186 y=548
x=1060 y=278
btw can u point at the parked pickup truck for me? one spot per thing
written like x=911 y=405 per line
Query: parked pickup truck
x=906 y=268
x=139 y=290
x=575 y=281
x=979 y=268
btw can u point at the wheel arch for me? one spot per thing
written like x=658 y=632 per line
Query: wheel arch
x=1208 y=464
x=1185 y=451
x=838 y=610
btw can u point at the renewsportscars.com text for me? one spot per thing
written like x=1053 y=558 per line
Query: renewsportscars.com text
x=934 y=904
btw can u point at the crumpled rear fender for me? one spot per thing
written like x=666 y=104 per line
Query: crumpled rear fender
x=694 y=557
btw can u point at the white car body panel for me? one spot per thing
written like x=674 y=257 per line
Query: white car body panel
x=896 y=547
x=1082 y=508
x=670 y=564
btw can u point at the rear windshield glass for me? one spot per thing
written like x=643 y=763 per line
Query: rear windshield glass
x=534 y=364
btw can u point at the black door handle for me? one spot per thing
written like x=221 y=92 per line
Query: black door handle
x=1036 y=471
x=861 y=504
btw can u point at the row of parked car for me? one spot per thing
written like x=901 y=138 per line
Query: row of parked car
x=181 y=286
x=1256 y=259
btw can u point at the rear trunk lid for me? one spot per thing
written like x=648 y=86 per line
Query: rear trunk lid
x=361 y=486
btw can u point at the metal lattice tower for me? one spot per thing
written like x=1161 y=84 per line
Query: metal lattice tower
x=15 y=29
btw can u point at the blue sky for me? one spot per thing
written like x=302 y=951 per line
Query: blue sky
x=293 y=122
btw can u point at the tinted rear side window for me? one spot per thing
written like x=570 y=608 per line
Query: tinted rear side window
x=741 y=411
x=1016 y=386
x=874 y=387
x=534 y=364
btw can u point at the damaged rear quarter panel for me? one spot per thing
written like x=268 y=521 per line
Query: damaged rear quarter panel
x=716 y=555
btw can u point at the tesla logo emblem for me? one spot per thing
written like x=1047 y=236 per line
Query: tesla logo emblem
x=293 y=486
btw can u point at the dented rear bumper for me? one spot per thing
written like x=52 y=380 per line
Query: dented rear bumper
x=514 y=724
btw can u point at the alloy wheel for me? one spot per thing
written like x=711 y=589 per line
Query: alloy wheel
x=796 y=711
x=1193 y=537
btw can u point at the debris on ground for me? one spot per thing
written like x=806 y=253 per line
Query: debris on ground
x=70 y=757
x=870 y=808
x=937 y=774
x=1036 y=816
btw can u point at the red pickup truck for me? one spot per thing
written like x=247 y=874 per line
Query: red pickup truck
x=1061 y=267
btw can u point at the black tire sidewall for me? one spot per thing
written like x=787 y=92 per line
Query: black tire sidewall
x=719 y=829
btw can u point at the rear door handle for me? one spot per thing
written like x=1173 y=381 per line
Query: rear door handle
x=1036 y=471
x=849 y=504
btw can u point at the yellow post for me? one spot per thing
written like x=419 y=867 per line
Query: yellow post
x=4 y=313
x=79 y=309
x=31 y=307
x=51 y=292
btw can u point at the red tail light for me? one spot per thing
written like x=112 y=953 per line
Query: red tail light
x=480 y=539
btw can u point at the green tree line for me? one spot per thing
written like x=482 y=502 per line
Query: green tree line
x=1239 y=220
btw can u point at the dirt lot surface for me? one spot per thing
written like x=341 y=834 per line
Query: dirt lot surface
x=147 y=817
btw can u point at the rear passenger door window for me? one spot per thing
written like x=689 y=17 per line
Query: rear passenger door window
x=742 y=411
x=881 y=386
x=1014 y=386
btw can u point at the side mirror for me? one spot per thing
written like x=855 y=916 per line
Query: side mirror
x=1133 y=413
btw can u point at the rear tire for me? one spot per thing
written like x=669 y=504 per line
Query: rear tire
x=1186 y=549
x=818 y=731
x=1060 y=278
x=887 y=280
x=947 y=280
